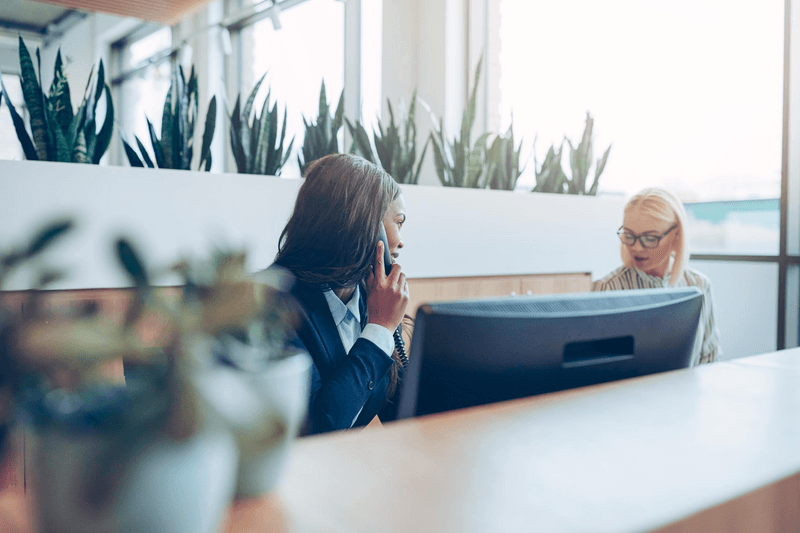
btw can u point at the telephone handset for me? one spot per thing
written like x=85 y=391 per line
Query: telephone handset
x=387 y=258
x=399 y=345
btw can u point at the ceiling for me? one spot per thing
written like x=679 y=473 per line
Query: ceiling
x=27 y=16
x=47 y=16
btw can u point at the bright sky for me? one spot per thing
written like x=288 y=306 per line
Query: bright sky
x=688 y=91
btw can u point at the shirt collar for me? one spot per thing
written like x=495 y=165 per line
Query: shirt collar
x=664 y=281
x=339 y=310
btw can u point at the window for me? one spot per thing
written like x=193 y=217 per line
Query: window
x=689 y=93
x=303 y=48
x=10 y=147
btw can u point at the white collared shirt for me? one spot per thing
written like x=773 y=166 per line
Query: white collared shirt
x=347 y=318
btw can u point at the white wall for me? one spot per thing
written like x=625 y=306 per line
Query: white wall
x=170 y=213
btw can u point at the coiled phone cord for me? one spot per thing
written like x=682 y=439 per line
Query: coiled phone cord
x=400 y=346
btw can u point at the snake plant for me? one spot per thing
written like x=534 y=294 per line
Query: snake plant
x=550 y=177
x=322 y=137
x=395 y=148
x=175 y=148
x=580 y=159
x=460 y=163
x=58 y=133
x=255 y=143
x=506 y=157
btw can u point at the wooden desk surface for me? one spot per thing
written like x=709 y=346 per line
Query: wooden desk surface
x=714 y=448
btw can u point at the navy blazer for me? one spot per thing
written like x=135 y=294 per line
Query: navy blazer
x=341 y=382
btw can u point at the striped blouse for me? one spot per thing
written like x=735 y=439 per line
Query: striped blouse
x=706 y=344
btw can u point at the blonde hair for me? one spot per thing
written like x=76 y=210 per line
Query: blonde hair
x=664 y=205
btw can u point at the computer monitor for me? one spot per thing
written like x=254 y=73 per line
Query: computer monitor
x=472 y=352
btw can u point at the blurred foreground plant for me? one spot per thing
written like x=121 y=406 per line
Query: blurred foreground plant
x=50 y=360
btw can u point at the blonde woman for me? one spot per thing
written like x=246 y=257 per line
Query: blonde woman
x=655 y=255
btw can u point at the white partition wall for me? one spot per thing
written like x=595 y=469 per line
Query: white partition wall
x=171 y=213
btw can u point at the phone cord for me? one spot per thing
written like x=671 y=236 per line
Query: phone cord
x=400 y=346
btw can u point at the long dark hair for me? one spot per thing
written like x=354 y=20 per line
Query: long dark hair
x=330 y=239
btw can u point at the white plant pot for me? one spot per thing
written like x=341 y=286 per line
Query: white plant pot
x=265 y=411
x=178 y=486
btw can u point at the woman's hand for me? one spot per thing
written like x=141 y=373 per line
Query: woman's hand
x=388 y=295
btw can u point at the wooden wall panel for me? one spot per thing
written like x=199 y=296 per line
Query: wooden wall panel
x=447 y=289
x=556 y=283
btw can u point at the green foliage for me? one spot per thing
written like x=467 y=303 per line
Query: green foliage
x=321 y=137
x=58 y=133
x=460 y=163
x=255 y=142
x=506 y=159
x=580 y=160
x=175 y=147
x=395 y=148
x=550 y=177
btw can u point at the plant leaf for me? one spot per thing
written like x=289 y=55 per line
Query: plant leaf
x=19 y=126
x=47 y=235
x=248 y=107
x=132 y=264
x=133 y=157
x=601 y=165
x=34 y=101
x=157 y=151
x=143 y=151
x=208 y=134
x=62 y=152
x=106 y=130
x=60 y=96
x=167 y=125
x=181 y=134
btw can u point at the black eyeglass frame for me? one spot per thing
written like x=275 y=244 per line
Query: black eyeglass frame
x=640 y=238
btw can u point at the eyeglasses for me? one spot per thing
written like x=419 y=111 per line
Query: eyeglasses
x=647 y=240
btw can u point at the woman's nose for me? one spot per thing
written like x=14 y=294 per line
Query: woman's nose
x=400 y=243
x=637 y=245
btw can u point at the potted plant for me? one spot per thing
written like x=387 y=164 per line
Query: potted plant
x=322 y=137
x=162 y=451
x=58 y=133
x=175 y=148
x=395 y=147
x=550 y=176
x=459 y=163
x=506 y=158
x=254 y=142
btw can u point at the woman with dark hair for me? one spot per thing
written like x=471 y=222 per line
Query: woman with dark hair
x=350 y=306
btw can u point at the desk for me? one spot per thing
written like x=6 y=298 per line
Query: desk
x=714 y=448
